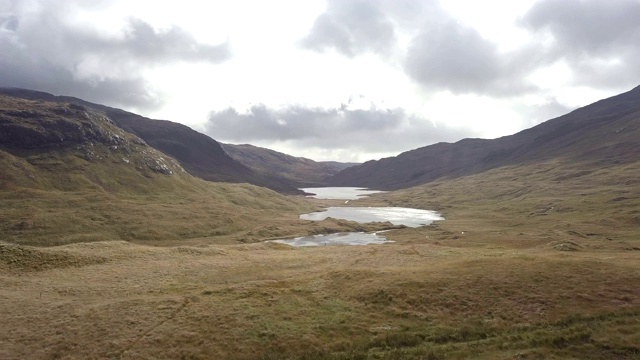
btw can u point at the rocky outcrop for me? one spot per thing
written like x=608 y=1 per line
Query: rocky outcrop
x=60 y=126
x=39 y=126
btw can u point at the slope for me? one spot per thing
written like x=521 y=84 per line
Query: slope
x=69 y=174
x=301 y=171
x=199 y=154
x=599 y=134
x=534 y=261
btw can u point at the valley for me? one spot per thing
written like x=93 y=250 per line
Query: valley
x=538 y=258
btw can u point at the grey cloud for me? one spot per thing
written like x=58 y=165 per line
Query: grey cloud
x=588 y=26
x=598 y=39
x=451 y=56
x=443 y=54
x=21 y=70
x=143 y=43
x=8 y=23
x=539 y=113
x=356 y=130
x=351 y=27
x=621 y=73
x=43 y=50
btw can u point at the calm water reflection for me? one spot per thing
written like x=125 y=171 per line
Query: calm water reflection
x=353 y=238
x=395 y=215
x=340 y=193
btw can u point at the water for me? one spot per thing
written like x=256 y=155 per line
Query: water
x=395 y=215
x=353 y=238
x=339 y=193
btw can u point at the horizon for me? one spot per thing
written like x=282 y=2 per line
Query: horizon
x=361 y=162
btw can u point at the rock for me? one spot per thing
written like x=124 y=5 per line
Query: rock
x=158 y=165
x=565 y=246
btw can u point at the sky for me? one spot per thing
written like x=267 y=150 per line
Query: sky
x=343 y=80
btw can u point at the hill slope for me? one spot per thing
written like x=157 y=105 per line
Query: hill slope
x=599 y=134
x=69 y=174
x=535 y=260
x=199 y=154
x=301 y=171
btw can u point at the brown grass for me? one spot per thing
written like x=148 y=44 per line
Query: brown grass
x=533 y=262
x=268 y=301
x=529 y=206
x=55 y=196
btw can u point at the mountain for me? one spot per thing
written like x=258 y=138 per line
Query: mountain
x=538 y=257
x=198 y=154
x=301 y=171
x=599 y=135
x=339 y=165
x=69 y=174
x=41 y=131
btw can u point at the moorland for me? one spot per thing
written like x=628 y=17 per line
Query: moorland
x=538 y=258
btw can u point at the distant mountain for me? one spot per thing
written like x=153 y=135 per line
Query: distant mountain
x=199 y=154
x=301 y=171
x=339 y=165
x=600 y=134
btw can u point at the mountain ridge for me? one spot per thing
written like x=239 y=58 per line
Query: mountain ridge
x=582 y=134
x=69 y=174
x=203 y=157
x=301 y=171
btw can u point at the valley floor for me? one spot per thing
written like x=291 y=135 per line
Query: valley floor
x=270 y=301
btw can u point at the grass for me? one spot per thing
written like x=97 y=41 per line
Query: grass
x=207 y=213
x=102 y=259
x=93 y=188
x=60 y=198
x=259 y=302
x=527 y=206
x=516 y=284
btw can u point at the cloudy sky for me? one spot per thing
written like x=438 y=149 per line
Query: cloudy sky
x=347 y=80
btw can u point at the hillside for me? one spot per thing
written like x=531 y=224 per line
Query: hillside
x=301 y=171
x=535 y=260
x=531 y=262
x=39 y=135
x=69 y=174
x=599 y=134
x=198 y=154
x=339 y=166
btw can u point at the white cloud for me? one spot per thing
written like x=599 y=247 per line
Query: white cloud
x=44 y=48
x=343 y=129
x=597 y=39
x=482 y=68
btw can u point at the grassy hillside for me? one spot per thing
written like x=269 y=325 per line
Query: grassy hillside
x=596 y=136
x=533 y=262
x=199 y=154
x=535 y=205
x=70 y=175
